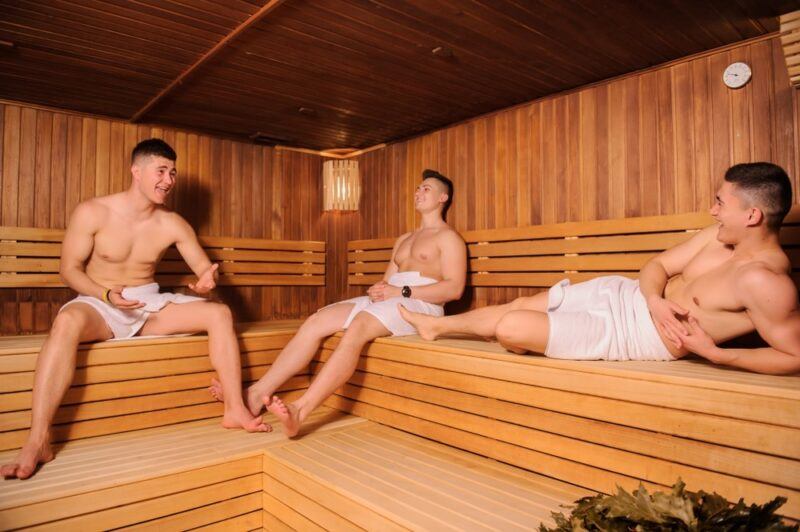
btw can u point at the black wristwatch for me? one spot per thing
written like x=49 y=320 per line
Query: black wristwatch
x=406 y=291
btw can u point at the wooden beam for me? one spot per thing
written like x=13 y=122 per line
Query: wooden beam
x=255 y=17
x=790 y=40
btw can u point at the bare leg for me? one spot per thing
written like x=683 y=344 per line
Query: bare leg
x=223 y=348
x=523 y=330
x=336 y=371
x=295 y=356
x=55 y=368
x=479 y=322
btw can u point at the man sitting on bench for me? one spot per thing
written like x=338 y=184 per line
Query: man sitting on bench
x=109 y=256
x=427 y=269
x=726 y=281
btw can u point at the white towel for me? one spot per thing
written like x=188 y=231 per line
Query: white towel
x=126 y=323
x=386 y=311
x=603 y=319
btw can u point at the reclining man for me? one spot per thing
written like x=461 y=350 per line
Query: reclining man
x=427 y=269
x=728 y=280
x=109 y=255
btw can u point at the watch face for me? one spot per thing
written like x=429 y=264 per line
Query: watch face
x=736 y=75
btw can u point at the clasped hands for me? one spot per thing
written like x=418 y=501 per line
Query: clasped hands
x=382 y=291
x=685 y=334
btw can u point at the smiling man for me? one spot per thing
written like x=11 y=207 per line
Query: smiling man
x=728 y=280
x=109 y=256
x=427 y=269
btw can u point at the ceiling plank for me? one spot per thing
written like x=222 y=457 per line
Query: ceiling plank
x=255 y=17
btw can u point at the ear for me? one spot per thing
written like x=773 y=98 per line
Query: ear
x=754 y=216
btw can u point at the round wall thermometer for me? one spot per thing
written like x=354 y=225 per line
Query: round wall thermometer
x=737 y=75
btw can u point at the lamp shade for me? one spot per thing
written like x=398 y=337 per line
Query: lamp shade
x=341 y=185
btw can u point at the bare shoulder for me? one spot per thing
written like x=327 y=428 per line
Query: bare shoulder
x=174 y=222
x=402 y=238
x=767 y=284
x=91 y=213
x=449 y=235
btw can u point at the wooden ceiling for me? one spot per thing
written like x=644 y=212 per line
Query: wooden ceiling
x=342 y=73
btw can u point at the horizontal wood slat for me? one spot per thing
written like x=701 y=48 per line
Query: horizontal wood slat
x=542 y=255
x=592 y=424
x=29 y=259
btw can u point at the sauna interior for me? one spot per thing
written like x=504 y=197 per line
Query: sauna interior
x=582 y=138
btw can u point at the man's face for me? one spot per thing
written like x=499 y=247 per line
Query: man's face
x=733 y=213
x=429 y=195
x=155 y=176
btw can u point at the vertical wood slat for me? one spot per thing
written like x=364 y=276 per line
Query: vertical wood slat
x=656 y=142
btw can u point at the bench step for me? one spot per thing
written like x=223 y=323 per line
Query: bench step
x=160 y=478
x=345 y=473
x=377 y=478
x=593 y=424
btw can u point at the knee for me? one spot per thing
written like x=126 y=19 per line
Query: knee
x=314 y=325
x=68 y=322
x=508 y=328
x=358 y=331
x=220 y=315
x=521 y=303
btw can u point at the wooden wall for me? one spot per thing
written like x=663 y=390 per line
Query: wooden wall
x=647 y=143
x=655 y=142
x=52 y=160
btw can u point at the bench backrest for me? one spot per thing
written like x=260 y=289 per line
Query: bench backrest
x=29 y=258
x=541 y=255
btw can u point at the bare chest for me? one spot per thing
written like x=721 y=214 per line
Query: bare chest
x=121 y=243
x=707 y=283
x=419 y=248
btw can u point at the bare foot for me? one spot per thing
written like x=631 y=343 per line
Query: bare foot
x=252 y=397
x=243 y=420
x=287 y=414
x=30 y=456
x=216 y=390
x=424 y=324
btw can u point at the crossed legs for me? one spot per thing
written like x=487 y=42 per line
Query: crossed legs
x=298 y=354
x=337 y=370
x=520 y=326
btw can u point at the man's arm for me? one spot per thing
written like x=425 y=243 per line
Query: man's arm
x=453 y=254
x=194 y=255
x=770 y=300
x=77 y=248
x=376 y=291
x=654 y=275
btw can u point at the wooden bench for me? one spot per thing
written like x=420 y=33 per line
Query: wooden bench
x=594 y=424
x=29 y=259
x=541 y=255
x=131 y=384
x=346 y=473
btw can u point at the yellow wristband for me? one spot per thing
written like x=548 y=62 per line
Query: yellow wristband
x=105 y=296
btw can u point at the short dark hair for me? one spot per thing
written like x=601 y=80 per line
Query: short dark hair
x=155 y=147
x=448 y=185
x=767 y=185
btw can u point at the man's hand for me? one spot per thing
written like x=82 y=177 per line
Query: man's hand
x=206 y=282
x=116 y=299
x=382 y=291
x=700 y=343
x=663 y=312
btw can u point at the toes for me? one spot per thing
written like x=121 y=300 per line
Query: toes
x=9 y=470
x=24 y=472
